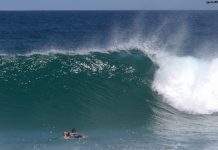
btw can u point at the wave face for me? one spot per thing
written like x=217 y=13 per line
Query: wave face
x=87 y=87
x=127 y=79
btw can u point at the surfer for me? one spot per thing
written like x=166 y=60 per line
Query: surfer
x=75 y=134
x=66 y=135
x=72 y=134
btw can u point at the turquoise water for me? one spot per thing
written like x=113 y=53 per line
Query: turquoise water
x=79 y=90
x=127 y=80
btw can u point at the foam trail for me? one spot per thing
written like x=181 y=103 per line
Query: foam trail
x=187 y=83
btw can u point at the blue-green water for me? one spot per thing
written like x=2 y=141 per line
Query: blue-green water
x=127 y=80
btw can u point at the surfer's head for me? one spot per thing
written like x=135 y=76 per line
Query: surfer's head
x=66 y=133
x=73 y=130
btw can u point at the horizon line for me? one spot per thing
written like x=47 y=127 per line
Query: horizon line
x=109 y=10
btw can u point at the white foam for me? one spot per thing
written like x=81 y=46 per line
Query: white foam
x=187 y=83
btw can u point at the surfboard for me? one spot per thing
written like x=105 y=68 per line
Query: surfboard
x=71 y=138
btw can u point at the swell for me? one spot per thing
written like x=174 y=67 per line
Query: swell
x=60 y=90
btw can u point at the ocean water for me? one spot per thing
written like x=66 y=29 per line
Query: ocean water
x=126 y=79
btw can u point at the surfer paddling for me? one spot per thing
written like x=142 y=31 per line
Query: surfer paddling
x=72 y=134
x=66 y=135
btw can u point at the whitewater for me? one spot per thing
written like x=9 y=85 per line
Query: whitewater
x=127 y=79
